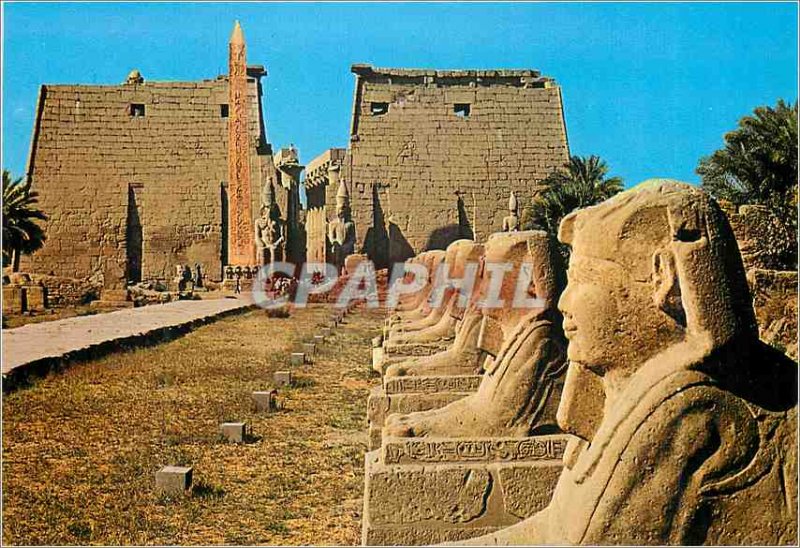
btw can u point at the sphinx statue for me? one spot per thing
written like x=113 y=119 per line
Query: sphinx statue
x=464 y=357
x=410 y=304
x=684 y=423
x=460 y=254
x=426 y=315
x=414 y=311
x=520 y=387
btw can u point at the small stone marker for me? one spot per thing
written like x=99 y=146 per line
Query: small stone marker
x=174 y=479
x=298 y=358
x=309 y=348
x=266 y=401
x=326 y=331
x=234 y=432
x=282 y=378
x=319 y=339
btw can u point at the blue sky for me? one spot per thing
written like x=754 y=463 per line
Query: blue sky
x=649 y=87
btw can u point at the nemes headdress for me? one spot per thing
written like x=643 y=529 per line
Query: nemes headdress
x=659 y=226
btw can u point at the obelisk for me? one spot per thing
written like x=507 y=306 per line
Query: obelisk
x=241 y=250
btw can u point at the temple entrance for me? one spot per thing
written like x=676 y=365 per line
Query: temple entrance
x=134 y=241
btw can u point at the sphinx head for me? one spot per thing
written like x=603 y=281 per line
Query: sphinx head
x=520 y=275
x=651 y=268
x=466 y=265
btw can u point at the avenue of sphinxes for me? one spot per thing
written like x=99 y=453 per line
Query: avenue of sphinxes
x=450 y=329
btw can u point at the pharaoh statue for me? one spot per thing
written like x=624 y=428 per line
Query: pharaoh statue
x=684 y=422
x=521 y=382
x=511 y=221
x=270 y=231
x=342 y=230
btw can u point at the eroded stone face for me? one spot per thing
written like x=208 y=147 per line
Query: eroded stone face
x=687 y=422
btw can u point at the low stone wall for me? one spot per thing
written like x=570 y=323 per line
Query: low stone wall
x=764 y=241
x=775 y=303
x=62 y=291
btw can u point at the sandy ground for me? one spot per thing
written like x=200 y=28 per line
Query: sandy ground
x=81 y=448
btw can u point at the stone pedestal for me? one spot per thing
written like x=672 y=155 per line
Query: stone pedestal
x=421 y=491
x=410 y=394
x=234 y=432
x=309 y=348
x=392 y=353
x=282 y=378
x=174 y=480
x=415 y=349
x=14 y=300
x=266 y=401
x=298 y=358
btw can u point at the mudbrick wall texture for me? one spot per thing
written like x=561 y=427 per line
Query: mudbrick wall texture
x=133 y=177
x=434 y=155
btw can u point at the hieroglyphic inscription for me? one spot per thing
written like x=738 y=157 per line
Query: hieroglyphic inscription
x=429 y=385
x=420 y=451
x=240 y=220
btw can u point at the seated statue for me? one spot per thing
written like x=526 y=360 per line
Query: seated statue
x=521 y=380
x=270 y=235
x=684 y=422
x=342 y=230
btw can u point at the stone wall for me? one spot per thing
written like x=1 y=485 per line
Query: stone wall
x=764 y=241
x=132 y=193
x=322 y=174
x=63 y=291
x=775 y=302
x=434 y=154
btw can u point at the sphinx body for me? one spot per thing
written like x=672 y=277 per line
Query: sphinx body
x=684 y=422
x=521 y=382
x=462 y=255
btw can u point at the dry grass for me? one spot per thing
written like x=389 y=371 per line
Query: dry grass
x=80 y=449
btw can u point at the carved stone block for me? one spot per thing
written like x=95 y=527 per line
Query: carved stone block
x=234 y=432
x=282 y=378
x=266 y=401
x=422 y=491
x=174 y=480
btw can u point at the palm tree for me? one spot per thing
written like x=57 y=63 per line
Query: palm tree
x=758 y=165
x=580 y=183
x=21 y=233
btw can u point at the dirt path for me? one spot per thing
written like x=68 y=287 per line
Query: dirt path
x=81 y=448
